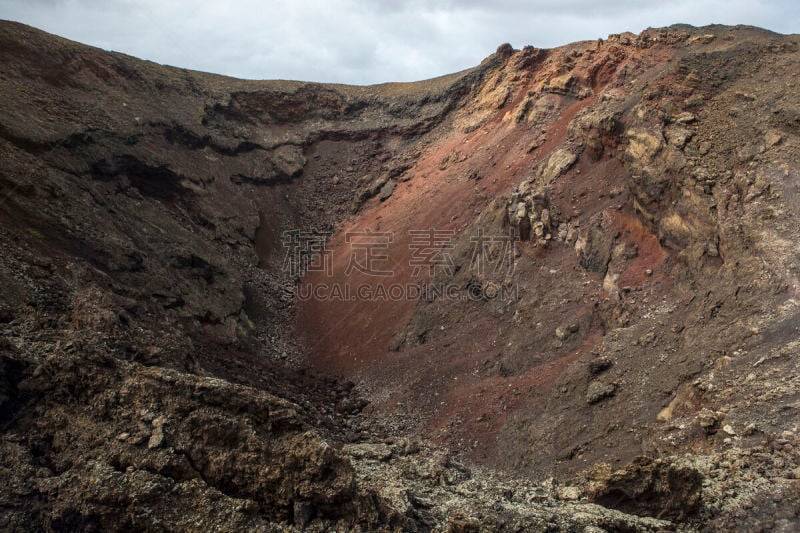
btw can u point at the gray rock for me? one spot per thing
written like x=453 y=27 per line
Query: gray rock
x=568 y=493
x=157 y=437
x=600 y=365
x=598 y=391
x=558 y=163
x=678 y=136
x=289 y=160
x=708 y=420
x=387 y=190
x=303 y=512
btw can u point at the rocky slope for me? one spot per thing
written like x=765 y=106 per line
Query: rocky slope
x=637 y=371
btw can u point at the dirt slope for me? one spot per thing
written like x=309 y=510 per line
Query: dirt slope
x=159 y=368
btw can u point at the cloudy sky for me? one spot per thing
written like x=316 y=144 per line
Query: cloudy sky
x=364 y=41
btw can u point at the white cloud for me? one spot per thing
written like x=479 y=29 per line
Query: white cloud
x=363 y=41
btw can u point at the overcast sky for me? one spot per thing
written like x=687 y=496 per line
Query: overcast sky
x=364 y=41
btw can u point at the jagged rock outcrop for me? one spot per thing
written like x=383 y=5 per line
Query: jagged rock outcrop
x=529 y=212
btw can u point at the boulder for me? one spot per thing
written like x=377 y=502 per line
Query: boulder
x=598 y=391
x=387 y=190
x=559 y=162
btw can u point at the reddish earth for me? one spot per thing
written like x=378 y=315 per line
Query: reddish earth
x=440 y=387
x=482 y=375
x=347 y=336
